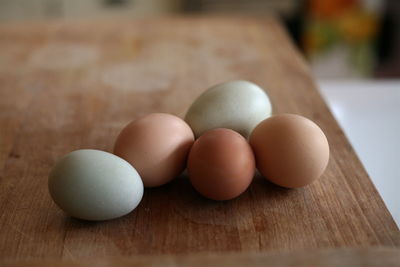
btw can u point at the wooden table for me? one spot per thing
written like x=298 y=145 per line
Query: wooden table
x=66 y=86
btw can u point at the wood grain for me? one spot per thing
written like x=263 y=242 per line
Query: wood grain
x=361 y=257
x=66 y=86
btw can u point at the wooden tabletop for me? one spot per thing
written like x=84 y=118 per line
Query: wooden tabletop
x=354 y=257
x=66 y=86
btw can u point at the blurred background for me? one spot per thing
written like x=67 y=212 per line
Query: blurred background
x=352 y=46
x=340 y=38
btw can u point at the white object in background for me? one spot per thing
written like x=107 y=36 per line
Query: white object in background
x=369 y=114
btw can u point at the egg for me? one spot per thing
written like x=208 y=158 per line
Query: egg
x=95 y=185
x=221 y=164
x=290 y=150
x=237 y=105
x=157 y=145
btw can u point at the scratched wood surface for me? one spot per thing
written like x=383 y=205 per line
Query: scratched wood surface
x=66 y=86
x=354 y=257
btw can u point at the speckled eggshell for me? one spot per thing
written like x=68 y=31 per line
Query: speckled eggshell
x=95 y=185
x=221 y=164
x=236 y=105
x=290 y=150
x=157 y=145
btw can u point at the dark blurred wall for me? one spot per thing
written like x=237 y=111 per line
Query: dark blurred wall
x=388 y=44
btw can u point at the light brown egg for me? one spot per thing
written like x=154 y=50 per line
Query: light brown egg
x=290 y=150
x=221 y=164
x=157 y=146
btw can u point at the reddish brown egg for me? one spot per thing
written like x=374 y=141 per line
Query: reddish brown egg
x=221 y=164
x=290 y=150
x=157 y=146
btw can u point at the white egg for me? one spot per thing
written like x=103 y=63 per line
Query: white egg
x=95 y=185
x=236 y=105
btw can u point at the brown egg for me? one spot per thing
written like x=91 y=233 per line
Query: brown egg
x=157 y=146
x=221 y=164
x=290 y=150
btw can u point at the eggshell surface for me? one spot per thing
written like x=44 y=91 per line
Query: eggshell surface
x=237 y=105
x=157 y=145
x=95 y=185
x=221 y=164
x=290 y=150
